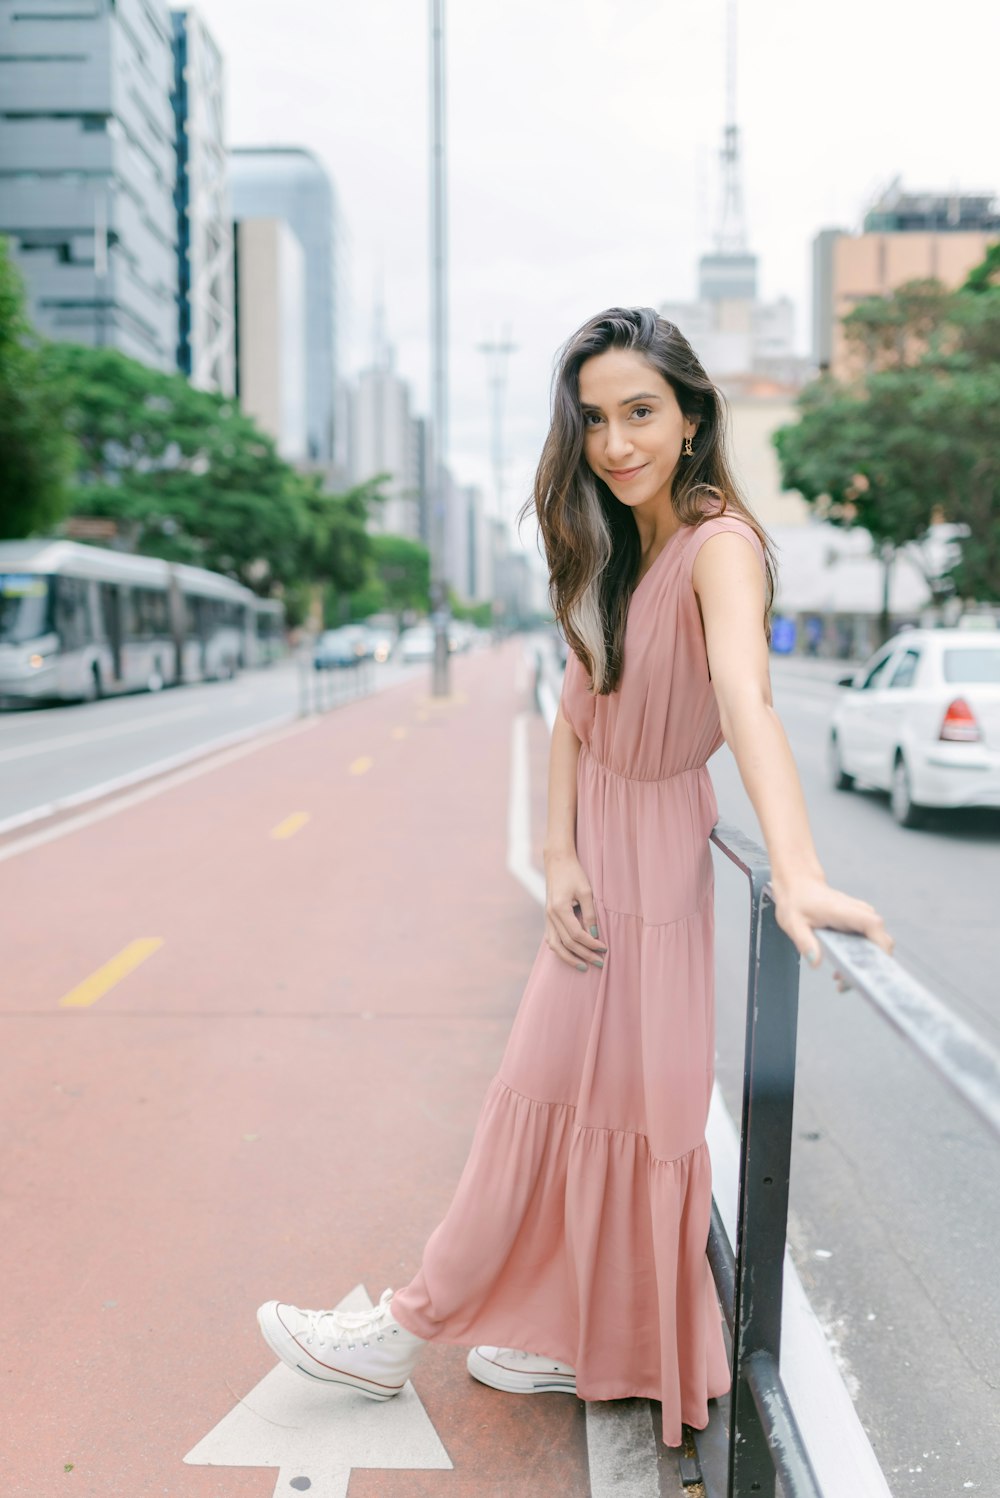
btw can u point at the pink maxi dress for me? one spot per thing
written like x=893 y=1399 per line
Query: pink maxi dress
x=579 y=1225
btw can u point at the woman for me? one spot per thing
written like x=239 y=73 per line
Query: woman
x=574 y=1249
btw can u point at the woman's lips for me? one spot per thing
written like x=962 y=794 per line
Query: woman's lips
x=621 y=474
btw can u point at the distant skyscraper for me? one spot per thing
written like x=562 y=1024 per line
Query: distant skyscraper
x=288 y=182
x=384 y=438
x=205 y=349
x=87 y=156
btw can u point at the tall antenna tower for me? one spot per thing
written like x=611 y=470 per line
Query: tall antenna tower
x=727 y=276
x=731 y=235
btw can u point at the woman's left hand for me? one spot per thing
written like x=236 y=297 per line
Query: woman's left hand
x=802 y=904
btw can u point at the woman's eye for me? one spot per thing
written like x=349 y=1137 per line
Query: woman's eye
x=591 y=418
x=641 y=411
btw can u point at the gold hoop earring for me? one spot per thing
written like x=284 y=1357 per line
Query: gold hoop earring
x=688 y=448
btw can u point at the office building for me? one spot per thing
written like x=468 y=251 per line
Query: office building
x=88 y=171
x=383 y=439
x=206 y=332
x=905 y=237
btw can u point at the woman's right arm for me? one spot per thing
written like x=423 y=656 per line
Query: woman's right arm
x=572 y=937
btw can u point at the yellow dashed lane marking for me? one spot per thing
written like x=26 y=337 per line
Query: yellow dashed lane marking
x=291 y=824
x=98 y=984
x=359 y=766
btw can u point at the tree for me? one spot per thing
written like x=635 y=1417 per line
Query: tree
x=398 y=578
x=916 y=435
x=37 y=454
x=184 y=472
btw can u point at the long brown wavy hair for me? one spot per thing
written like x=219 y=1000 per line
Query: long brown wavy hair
x=591 y=539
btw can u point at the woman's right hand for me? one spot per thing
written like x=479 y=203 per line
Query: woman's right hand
x=573 y=937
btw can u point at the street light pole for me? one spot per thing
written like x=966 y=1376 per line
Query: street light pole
x=439 y=356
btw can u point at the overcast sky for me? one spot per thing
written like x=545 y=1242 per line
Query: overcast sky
x=583 y=144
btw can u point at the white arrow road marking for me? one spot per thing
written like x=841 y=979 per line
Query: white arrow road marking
x=316 y=1434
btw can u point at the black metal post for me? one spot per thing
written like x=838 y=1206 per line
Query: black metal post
x=766 y=1145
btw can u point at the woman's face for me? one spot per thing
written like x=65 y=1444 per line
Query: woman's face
x=633 y=426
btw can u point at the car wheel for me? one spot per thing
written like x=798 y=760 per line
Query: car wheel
x=905 y=810
x=839 y=778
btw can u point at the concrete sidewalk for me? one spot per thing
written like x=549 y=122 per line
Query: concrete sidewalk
x=249 y=1022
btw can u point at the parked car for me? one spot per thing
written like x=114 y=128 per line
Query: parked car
x=379 y=642
x=340 y=647
x=921 y=720
x=417 y=644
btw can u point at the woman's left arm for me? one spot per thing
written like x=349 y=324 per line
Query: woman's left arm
x=729 y=583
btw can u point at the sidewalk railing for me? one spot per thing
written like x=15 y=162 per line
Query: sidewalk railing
x=763 y=1441
x=323 y=688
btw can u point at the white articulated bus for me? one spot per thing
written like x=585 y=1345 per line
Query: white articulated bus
x=79 y=622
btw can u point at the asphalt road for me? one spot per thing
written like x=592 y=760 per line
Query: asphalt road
x=48 y=754
x=895 y=1207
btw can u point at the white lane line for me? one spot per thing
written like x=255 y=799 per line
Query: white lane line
x=317 y=1434
x=92 y=735
x=519 y=813
x=838 y=1446
x=208 y=760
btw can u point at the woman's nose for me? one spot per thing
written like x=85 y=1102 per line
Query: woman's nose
x=618 y=443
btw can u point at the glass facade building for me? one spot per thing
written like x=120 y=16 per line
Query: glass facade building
x=289 y=183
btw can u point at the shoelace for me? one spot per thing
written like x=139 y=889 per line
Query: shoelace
x=348 y=1326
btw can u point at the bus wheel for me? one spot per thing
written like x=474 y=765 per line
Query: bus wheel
x=94 y=687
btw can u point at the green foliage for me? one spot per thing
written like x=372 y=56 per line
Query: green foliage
x=986 y=274
x=917 y=435
x=476 y=613
x=37 y=454
x=397 y=580
x=189 y=477
x=184 y=472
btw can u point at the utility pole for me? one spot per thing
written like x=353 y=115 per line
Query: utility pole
x=439 y=356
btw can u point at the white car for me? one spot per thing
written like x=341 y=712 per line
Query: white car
x=417 y=644
x=921 y=720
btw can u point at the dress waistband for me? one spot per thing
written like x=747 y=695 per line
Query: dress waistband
x=640 y=779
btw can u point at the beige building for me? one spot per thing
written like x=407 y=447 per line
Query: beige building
x=865 y=265
x=756 y=413
x=271 y=332
x=906 y=236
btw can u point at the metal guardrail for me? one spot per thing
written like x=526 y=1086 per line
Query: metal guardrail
x=763 y=1441
x=330 y=686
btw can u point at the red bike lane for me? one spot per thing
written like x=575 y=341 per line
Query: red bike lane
x=319 y=950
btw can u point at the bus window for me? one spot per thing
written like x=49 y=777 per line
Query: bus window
x=25 y=607
x=72 y=621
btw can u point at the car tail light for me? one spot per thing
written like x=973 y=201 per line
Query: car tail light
x=959 y=723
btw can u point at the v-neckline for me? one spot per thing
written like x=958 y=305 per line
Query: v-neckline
x=667 y=546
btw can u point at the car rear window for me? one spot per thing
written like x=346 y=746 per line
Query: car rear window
x=975 y=665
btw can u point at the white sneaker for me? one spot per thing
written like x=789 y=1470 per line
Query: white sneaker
x=366 y=1349
x=519 y=1372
